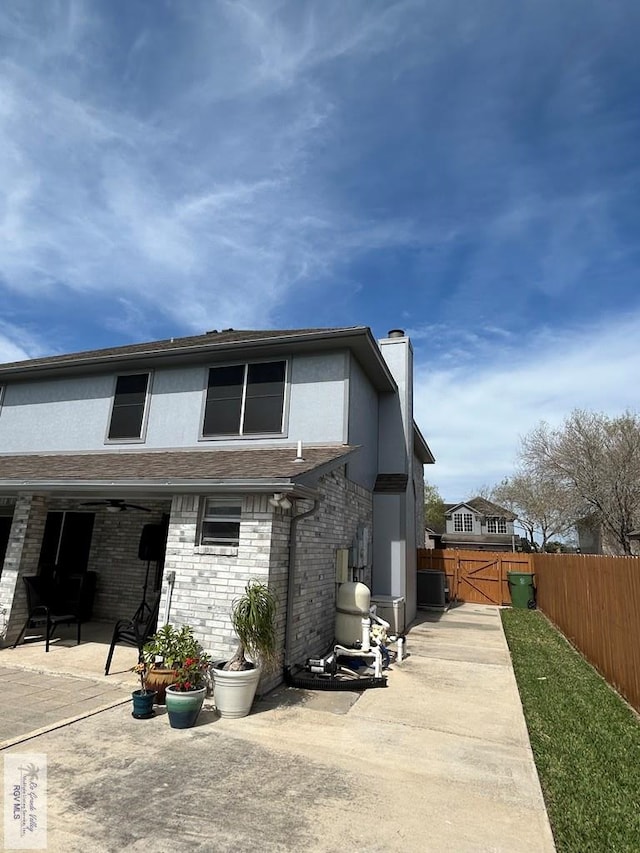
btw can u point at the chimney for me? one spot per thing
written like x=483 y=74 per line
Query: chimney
x=396 y=422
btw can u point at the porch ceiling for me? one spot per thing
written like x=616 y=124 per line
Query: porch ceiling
x=259 y=468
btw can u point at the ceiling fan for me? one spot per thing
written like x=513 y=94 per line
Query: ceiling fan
x=115 y=505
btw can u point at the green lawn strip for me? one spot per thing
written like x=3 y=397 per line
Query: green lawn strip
x=585 y=740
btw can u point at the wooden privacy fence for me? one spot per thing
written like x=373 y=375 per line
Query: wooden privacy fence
x=477 y=576
x=595 y=602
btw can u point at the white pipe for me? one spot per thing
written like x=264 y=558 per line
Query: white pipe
x=366 y=626
x=400 y=649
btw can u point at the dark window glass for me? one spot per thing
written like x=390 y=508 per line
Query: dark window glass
x=221 y=522
x=265 y=397
x=128 y=406
x=66 y=541
x=220 y=532
x=261 y=386
x=224 y=400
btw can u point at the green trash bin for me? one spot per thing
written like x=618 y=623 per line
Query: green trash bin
x=522 y=589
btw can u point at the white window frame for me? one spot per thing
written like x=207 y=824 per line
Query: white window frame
x=463 y=522
x=496 y=524
x=241 y=434
x=220 y=500
x=145 y=412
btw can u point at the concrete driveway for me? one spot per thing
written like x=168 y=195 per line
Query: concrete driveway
x=438 y=761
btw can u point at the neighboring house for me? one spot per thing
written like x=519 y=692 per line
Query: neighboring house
x=589 y=532
x=257 y=454
x=431 y=538
x=479 y=524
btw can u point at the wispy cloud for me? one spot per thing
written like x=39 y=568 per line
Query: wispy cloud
x=100 y=198
x=476 y=412
x=467 y=170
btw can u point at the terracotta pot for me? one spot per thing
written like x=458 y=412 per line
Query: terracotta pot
x=159 y=679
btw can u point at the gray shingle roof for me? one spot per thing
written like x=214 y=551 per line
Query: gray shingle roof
x=484 y=507
x=488 y=508
x=166 y=466
x=212 y=338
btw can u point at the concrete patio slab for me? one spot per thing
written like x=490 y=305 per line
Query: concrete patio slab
x=438 y=761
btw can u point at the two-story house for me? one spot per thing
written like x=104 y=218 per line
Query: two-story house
x=479 y=524
x=215 y=458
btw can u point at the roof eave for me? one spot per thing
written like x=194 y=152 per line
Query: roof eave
x=421 y=448
x=167 y=487
x=357 y=338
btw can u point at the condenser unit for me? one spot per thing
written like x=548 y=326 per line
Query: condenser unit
x=433 y=593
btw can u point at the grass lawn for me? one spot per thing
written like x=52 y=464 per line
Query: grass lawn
x=585 y=740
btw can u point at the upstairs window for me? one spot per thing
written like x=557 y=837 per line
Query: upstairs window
x=245 y=399
x=463 y=522
x=221 y=522
x=1 y=396
x=127 y=414
x=496 y=525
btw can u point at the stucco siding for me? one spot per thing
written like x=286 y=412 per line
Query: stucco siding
x=73 y=414
x=363 y=427
x=63 y=414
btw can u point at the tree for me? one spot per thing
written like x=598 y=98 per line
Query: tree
x=596 y=459
x=433 y=508
x=544 y=506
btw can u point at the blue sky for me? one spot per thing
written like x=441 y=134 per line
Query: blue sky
x=465 y=170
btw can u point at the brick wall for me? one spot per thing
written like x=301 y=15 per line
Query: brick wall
x=23 y=552
x=343 y=506
x=209 y=578
x=114 y=556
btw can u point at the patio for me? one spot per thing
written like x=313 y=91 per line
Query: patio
x=438 y=761
x=67 y=658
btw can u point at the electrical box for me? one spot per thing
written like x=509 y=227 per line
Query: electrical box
x=342 y=565
x=360 y=547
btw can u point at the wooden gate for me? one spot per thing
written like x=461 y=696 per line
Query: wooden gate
x=475 y=576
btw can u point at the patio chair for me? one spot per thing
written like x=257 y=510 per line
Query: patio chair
x=44 y=606
x=135 y=631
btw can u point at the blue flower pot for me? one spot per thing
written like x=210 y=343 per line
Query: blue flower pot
x=183 y=707
x=143 y=704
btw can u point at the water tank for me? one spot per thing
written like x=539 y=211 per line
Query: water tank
x=352 y=604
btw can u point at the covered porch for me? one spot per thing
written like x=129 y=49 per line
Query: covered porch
x=66 y=658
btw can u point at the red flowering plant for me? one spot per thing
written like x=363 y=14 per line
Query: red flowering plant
x=192 y=673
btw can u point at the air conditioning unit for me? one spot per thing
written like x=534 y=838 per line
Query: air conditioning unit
x=433 y=593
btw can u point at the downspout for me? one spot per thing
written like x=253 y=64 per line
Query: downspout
x=288 y=626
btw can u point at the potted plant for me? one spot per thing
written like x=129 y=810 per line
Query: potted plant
x=253 y=620
x=144 y=698
x=185 y=696
x=164 y=653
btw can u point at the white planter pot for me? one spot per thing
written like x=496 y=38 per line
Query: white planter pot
x=233 y=692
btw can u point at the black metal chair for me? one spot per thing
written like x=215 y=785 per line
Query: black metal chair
x=45 y=606
x=135 y=631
